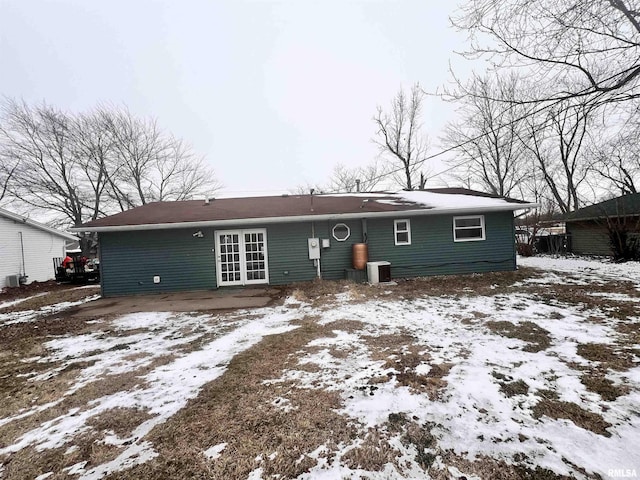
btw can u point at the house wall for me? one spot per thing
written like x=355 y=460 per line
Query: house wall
x=433 y=251
x=40 y=248
x=589 y=238
x=289 y=253
x=129 y=260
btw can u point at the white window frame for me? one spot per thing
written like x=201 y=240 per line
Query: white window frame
x=407 y=231
x=333 y=232
x=474 y=239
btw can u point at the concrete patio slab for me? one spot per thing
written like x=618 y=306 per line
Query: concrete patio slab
x=193 y=301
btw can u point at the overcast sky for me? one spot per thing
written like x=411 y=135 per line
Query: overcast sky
x=273 y=94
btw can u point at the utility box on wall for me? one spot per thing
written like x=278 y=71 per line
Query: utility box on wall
x=314 y=248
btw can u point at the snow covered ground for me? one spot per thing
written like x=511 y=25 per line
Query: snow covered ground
x=452 y=366
x=586 y=268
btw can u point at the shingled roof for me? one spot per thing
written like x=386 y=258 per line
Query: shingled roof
x=288 y=208
x=624 y=206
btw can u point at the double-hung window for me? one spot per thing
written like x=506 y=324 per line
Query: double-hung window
x=468 y=229
x=402 y=232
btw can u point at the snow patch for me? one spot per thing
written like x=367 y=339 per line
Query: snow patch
x=214 y=452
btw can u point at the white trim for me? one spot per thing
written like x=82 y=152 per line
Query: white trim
x=407 y=231
x=20 y=219
x=474 y=239
x=305 y=218
x=227 y=283
x=333 y=232
x=242 y=258
x=265 y=254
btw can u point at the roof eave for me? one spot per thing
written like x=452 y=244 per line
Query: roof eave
x=600 y=217
x=309 y=218
x=20 y=219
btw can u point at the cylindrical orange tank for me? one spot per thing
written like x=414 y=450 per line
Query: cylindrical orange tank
x=360 y=254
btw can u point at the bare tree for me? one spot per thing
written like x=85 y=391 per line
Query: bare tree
x=152 y=166
x=556 y=139
x=346 y=180
x=179 y=174
x=93 y=149
x=40 y=140
x=615 y=156
x=89 y=165
x=576 y=48
x=8 y=167
x=401 y=140
x=487 y=138
x=358 y=179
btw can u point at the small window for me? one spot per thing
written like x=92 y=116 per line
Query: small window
x=341 y=232
x=468 y=229
x=402 y=232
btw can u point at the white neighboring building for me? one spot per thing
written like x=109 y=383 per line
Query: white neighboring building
x=28 y=248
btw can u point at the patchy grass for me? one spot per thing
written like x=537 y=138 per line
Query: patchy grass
x=604 y=387
x=120 y=421
x=309 y=415
x=51 y=298
x=488 y=468
x=414 y=435
x=606 y=355
x=511 y=389
x=80 y=399
x=373 y=454
x=582 y=418
x=491 y=283
x=403 y=365
x=87 y=448
x=582 y=296
x=8 y=294
x=537 y=338
x=238 y=409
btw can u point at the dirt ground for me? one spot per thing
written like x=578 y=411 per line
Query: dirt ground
x=12 y=293
x=277 y=425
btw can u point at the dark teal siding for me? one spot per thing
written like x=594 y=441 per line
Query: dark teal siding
x=289 y=254
x=288 y=250
x=129 y=261
x=338 y=256
x=433 y=251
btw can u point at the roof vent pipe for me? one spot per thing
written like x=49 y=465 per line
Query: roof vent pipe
x=206 y=201
x=311 y=197
x=357 y=186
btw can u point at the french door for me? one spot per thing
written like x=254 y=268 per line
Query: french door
x=241 y=257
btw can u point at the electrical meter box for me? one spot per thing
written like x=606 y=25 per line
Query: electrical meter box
x=314 y=248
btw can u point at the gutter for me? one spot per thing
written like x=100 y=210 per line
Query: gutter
x=34 y=224
x=307 y=218
x=601 y=217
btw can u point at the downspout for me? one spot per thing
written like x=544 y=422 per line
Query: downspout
x=316 y=262
x=24 y=272
x=100 y=265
